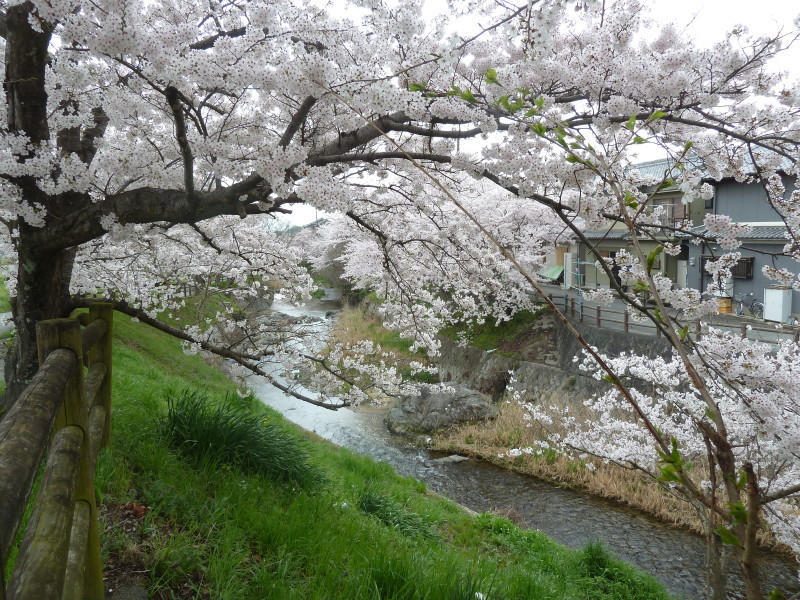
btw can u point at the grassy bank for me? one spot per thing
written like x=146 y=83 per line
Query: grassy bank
x=195 y=526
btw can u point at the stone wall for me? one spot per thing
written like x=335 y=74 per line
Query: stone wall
x=607 y=341
x=558 y=383
x=490 y=374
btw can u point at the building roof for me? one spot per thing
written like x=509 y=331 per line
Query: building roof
x=658 y=169
x=607 y=234
x=758 y=232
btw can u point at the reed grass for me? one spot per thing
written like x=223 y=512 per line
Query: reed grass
x=489 y=440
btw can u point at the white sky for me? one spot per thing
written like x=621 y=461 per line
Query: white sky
x=705 y=21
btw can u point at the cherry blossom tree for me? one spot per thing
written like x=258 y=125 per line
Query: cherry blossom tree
x=131 y=119
x=149 y=141
x=575 y=107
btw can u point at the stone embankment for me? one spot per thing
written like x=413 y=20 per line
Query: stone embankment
x=547 y=371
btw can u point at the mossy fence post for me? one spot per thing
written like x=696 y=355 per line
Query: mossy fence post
x=65 y=413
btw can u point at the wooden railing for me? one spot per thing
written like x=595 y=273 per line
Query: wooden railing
x=619 y=320
x=65 y=413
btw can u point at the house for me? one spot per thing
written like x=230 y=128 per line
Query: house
x=608 y=242
x=746 y=203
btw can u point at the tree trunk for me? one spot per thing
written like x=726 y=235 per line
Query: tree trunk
x=42 y=293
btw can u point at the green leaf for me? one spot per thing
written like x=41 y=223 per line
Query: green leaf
x=659 y=114
x=539 y=129
x=491 y=77
x=657 y=314
x=668 y=474
x=683 y=332
x=675 y=455
x=468 y=96
x=651 y=258
x=454 y=91
x=608 y=378
x=742 y=481
x=776 y=594
x=531 y=113
x=417 y=87
x=631 y=123
x=639 y=140
x=727 y=536
x=539 y=102
x=688 y=146
x=738 y=513
x=573 y=159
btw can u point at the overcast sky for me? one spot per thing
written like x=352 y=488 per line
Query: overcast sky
x=705 y=21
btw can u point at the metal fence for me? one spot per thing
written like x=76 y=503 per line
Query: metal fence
x=620 y=320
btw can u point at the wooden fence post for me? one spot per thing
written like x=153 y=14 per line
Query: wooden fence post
x=66 y=333
x=102 y=352
x=597 y=315
x=625 y=321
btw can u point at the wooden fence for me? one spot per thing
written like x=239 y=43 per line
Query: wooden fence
x=65 y=414
x=619 y=320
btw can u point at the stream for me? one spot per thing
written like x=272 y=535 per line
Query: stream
x=674 y=556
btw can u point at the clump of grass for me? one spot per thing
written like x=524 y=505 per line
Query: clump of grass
x=491 y=335
x=392 y=513
x=235 y=434
x=604 y=577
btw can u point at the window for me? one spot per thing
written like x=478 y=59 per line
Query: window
x=743 y=269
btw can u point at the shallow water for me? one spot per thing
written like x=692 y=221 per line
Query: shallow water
x=674 y=556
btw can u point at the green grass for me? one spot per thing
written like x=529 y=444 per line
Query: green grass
x=216 y=529
x=490 y=335
x=5 y=299
x=235 y=433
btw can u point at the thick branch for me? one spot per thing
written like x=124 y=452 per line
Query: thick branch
x=209 y=42
x=3 y=26
x=175 y=106
x=297 y=120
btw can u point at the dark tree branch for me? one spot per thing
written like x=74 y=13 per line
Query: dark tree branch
x=245 y=360
x=3 y=26
x=208 y=43
x=440 y=133
x=175 y=106
x=376 y=232
x=297 y=120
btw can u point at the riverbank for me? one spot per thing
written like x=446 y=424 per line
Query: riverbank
x=201 y=529
x=488 y=440
x=512 y=348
